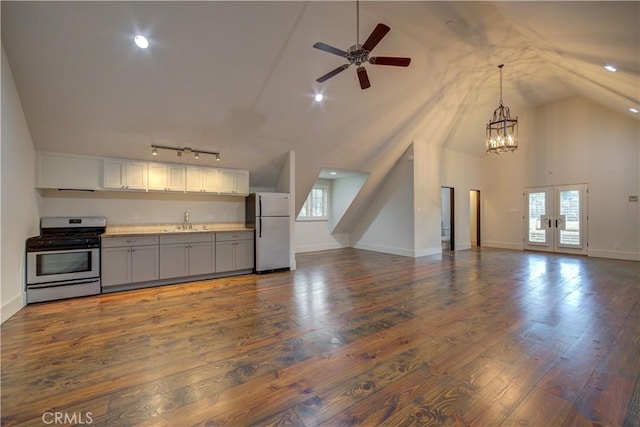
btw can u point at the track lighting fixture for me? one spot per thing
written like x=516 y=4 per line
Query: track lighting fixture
x=180 y=151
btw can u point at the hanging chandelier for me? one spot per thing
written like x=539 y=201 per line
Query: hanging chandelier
x=502 y=130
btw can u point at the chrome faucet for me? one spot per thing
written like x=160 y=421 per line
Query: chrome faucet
x=186 y=224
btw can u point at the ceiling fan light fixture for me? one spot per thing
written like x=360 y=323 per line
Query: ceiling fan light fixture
x=634 y=110
x=141 y=41
x=502 y=130
x=319 y=97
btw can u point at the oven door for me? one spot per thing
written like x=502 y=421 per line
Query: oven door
x=62 y=265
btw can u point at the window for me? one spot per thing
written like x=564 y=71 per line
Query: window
x=316 y=207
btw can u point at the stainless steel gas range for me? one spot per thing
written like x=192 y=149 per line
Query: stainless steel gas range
x=64 y=260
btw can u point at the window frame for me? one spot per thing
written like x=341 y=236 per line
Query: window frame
x=327 y=196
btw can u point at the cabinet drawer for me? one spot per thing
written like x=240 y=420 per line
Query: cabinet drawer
x=237 y=235
x=186 y=238
x=116 y=242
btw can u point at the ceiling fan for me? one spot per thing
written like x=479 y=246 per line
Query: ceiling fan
x=358 y=54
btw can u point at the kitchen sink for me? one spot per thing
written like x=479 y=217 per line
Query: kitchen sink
x=188 y=230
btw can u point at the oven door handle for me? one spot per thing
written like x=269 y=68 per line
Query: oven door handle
x=53 y=284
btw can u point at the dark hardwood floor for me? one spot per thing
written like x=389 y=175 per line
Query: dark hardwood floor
x=482 y=337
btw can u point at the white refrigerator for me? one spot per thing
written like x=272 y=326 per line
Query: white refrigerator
x=268 y=214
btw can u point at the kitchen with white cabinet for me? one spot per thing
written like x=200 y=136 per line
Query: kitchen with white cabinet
x=166 y=222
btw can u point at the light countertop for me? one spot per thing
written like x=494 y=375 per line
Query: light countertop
x=147 y=229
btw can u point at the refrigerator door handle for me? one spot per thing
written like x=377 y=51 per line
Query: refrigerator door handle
x=260 y=232
x=259 y=206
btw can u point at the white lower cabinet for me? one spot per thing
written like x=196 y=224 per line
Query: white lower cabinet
x=129 y=260
x=234 y=251
x=187 y=255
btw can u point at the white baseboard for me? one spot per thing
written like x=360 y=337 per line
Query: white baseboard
x=629 y=256
x=503 y=245
x=385 y=249
x=12 y=307
x=436 y=250
x=463 y=246
x=320 y=247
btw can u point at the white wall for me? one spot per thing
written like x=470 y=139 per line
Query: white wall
x=387 y=223
x=132 y=208
x=573 y=141
x=19 y=210
x=427 y=164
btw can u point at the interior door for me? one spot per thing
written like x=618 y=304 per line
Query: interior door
x=555 y=218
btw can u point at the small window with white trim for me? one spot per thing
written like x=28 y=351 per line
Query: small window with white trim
x=316 y=207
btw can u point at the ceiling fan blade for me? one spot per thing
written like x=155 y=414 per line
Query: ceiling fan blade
x=376 y=35
x=390 y=60
x=363 y=77
x=332 y=73
x=330 y=49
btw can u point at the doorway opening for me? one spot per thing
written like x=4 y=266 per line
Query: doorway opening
x=447 y=229
x=474 y=217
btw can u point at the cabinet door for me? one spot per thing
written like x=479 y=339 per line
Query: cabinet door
x=211 y=180
x=173 y=261
x=136 y=177
x=227 y=181
x=116 y=266
x=67 y=171
x=176 y=178
x=201 y=258
x=244 y=254
x=224 y=256
x=144 y=263
x=114 y=173
x=194 y=179
x=158 y=176
x=242 y=182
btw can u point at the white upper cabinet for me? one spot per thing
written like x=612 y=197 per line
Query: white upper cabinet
x=234 y=181
x=166 y=177
x=124 y=174
x=75 y=172
x=63 y=171
x=203 y=179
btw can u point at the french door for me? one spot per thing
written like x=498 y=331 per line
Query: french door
x=555 y=219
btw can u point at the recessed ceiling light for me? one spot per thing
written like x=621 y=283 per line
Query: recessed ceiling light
x=611 y=68
x=633 y=110
x=141 y=41
x=319 y=97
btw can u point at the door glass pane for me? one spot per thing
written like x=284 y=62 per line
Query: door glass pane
x=537 y=209
x=569 y=225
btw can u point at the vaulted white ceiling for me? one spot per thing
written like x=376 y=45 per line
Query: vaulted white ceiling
x=239 y=77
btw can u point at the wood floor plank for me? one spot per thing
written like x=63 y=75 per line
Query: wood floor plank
x=483 y=337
